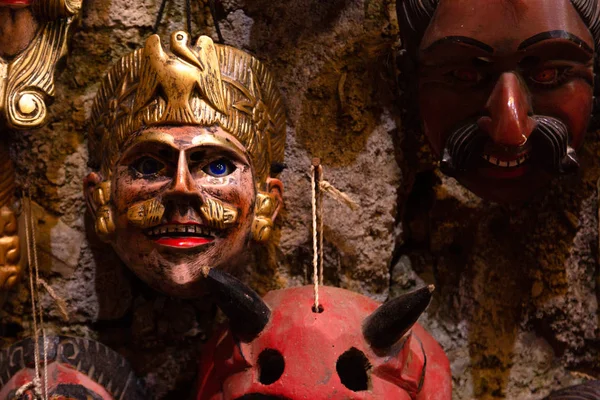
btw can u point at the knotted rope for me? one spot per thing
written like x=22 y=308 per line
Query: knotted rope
x=316 y=176
x=318 y=187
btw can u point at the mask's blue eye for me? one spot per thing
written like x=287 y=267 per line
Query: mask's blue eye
x=219 y=168
x=148 y=166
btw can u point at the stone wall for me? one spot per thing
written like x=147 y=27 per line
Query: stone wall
x=516 y=304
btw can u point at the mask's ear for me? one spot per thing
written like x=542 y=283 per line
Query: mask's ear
x=275 y=188
x=266 y=210
x=97 y=198
x=90 y=185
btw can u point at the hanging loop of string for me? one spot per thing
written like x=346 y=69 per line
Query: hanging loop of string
x=188 y=17
x=316 y=176
x=159 y=16
x=213 y=13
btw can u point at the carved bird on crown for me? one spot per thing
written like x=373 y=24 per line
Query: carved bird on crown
x=178 y=76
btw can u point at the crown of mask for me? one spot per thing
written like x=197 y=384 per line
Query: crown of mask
x=203 y=84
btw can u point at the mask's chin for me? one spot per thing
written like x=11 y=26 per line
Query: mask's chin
x=173 y=270
x=515 y=185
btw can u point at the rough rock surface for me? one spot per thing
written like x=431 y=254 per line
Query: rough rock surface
x=516 y=307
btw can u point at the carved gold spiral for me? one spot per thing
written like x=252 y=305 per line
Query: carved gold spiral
x=30 y=80
x=28 y=108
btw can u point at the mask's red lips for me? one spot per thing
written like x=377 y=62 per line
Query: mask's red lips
x=183 y=242
x=183 y=235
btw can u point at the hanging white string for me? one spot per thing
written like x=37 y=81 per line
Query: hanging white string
x=313 y=187
x=35 y=385
x=37 y=293
x=30 y=234
x=320 y=218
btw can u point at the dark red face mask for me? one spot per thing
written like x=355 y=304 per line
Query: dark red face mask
x=354 y=348
x=505 y=103
x=78 y=369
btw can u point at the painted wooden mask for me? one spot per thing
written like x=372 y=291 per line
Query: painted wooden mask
x=505 y=88
x=185 y=145
x=354 y=348
x=78 y=369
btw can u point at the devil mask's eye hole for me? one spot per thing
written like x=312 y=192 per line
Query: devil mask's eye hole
x=353 y=369
x=270 y=366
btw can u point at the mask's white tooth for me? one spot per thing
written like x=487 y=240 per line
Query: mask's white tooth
x=190 y=228
x=163 y=230
x=181 y=228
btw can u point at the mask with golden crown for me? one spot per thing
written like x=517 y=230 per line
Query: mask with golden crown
x=185 y=147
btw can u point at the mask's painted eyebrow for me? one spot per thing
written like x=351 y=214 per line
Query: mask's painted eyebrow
x=557 y=34
x=461 y=40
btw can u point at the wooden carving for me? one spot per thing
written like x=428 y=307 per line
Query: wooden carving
x=28 y=60
x=185 y=144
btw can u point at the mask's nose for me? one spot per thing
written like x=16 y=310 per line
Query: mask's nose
x=183 y=182
x=508 y=121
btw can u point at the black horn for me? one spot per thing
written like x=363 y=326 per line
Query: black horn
x=386 y=325
x=247 y=312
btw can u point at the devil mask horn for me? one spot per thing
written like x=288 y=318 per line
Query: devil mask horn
x=386 y=325
x=247 y=312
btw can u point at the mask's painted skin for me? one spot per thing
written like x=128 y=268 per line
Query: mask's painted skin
x=182 y=167
x=17 y=27
x=499 y=64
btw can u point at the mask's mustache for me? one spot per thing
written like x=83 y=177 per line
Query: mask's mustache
x=549 y=148
x=148 y=213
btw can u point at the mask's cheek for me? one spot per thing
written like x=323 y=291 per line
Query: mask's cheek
x=444 y=108
x=571 y=103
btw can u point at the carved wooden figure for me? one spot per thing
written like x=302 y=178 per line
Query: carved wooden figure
x=33 y=39
x=185 y=146
x=353 y=348
x=504 y=104
x=78 y=369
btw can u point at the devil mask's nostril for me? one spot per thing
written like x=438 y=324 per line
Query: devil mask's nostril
x=353 y=369
x=270 y=366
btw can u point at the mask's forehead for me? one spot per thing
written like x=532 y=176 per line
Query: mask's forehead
x=504 y=24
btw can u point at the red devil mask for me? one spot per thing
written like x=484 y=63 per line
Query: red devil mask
x=78 y=369
x=353 y=348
